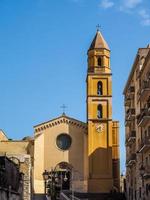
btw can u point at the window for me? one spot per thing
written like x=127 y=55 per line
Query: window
x=63 y=141
x=99 y=61
x=149 y=131
x=147 y=188
x=148 y=75
x=140 y=192
x=145 y=134
x=99 y=88
x=129 y=191
x=114 y=137
x=146 y=160
x=99 y=111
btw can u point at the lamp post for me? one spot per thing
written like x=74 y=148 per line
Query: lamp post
x=53 y=183
x=45 y=177
x=55 y=180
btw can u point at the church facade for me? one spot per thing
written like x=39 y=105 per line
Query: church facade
x=86 y=153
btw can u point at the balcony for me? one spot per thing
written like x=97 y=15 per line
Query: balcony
x=130 y=114
x=144 y=117
x=145 y=90
x=131 y=138
x=144 y=145
x=131 y=89
x=131 y=92
x=147 y=172
x=127 y=101
x=131 y=160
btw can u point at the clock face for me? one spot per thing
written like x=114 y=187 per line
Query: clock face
x=99 y=128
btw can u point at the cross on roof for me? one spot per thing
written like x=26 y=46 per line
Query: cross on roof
x=98 y=27
x=63 y=108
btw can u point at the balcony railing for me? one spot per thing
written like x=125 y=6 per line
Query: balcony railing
x=144 y=144
x=127 y=101
x=144 y=117
x=147 y=171
x=131 y=89
x=130 y=114
x=131 y=92
x=131 y=138
x=145 y=90
x=131 y=160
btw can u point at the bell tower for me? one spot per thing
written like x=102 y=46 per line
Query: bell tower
x=99 y=116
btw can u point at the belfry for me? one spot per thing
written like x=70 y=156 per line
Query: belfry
x=102 y=130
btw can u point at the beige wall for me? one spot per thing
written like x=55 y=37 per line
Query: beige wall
x=3 y=137
x=9 y=146
x=47 y=155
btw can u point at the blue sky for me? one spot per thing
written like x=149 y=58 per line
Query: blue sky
x=43 y=57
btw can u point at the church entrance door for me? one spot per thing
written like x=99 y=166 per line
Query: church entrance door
x=65 y=179
x=64 y=170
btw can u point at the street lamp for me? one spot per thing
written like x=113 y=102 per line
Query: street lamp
x=53 y=182
x=45 y=177
x=59 y=178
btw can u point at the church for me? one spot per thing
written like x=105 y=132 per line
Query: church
x=86 y=153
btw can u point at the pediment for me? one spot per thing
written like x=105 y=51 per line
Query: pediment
x=59 y=120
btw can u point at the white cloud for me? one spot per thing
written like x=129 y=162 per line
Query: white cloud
x=106 y=4
x=130 y=4
x=130 y=7
x=144 y=14
x=145 y=17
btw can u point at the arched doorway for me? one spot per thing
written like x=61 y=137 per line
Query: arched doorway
x=64 y=171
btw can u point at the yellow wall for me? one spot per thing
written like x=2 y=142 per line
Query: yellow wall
x=115 y=154
x=100 y=150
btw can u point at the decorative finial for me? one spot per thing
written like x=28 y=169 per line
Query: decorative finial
x=98 y=27
x=63 y=109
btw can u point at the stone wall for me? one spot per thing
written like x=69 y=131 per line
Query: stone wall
x=5 y=195
x=25 y=168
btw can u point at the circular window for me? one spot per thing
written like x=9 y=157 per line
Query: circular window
x=63 y=141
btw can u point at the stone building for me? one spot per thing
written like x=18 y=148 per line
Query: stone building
x=137 y=125
x=21 y=151
x=90 y=149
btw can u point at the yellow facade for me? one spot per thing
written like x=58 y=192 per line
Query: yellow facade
x=102 y=151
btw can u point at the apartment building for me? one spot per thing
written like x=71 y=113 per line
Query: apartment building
x=137 y=127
